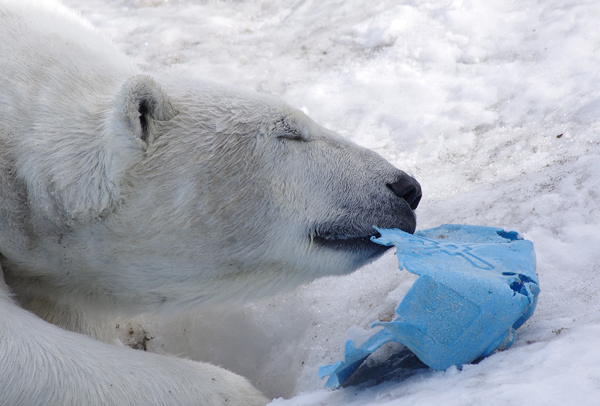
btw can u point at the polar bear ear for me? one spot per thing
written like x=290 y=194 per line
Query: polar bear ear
x=143 y=103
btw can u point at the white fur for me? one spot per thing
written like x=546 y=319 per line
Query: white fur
x=121 y=193
x=44 y=365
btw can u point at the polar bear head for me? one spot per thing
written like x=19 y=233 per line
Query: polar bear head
x=194 y=192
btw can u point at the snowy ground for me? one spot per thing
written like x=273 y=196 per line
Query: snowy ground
x=492 y=104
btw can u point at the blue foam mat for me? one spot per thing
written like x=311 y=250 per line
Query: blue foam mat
x=476 y=286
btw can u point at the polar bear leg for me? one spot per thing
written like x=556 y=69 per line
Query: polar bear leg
x=42 y=364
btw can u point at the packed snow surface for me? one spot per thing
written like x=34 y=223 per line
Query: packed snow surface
x=493 y=105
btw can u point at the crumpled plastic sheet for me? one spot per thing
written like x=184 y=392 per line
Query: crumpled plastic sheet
x=476 y=286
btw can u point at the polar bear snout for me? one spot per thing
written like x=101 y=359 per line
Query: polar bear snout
x=407 y=188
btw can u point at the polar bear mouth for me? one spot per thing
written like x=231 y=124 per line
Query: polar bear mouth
x=342 y=242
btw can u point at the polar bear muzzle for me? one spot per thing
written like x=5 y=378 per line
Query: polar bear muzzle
x=394 y=210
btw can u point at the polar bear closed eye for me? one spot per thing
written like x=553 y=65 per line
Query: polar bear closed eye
x=120 y=191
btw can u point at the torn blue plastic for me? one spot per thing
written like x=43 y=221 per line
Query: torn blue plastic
x=477 y=285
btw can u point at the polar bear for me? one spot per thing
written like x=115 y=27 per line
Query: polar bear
x=121 y=192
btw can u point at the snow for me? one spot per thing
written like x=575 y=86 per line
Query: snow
x=492 y=104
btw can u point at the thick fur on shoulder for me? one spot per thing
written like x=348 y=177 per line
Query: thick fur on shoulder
x=122 y=192
x=41 y=364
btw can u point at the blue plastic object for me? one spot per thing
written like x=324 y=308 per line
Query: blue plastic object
x=476 y=286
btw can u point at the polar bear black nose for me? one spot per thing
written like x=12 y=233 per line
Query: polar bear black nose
x=407 y=188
